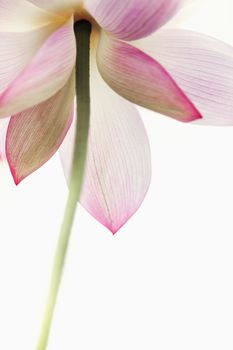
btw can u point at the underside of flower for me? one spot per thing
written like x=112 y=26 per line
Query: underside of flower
x=178 y=73
x=70 y=71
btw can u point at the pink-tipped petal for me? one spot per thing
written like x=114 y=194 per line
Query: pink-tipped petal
x=21 y=15
x=34 y=135
x=46 y=73
x=202 y=66
x=132 y=19
x=16 y=51
x=142 y=80
x=118 y=168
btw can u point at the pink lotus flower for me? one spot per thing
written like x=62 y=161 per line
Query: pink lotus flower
x=178 y=73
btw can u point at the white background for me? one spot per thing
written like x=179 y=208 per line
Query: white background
x=165 y=280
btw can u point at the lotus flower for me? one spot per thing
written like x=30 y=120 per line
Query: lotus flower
x=178 y=73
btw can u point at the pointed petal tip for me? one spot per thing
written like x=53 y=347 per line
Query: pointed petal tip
x=196 y=115
x=193 y=112
x=112 y=226
x=15 y=177
x=17 y=182
x=116 y=230
x=113 y=229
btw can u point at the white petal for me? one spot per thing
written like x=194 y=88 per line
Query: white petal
x=59 y=6
x=21 y=15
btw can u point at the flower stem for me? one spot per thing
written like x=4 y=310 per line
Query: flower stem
x=82 y=31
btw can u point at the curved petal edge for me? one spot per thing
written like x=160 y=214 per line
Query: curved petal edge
x=132 y=19
x=202 y=66
x=142 y=80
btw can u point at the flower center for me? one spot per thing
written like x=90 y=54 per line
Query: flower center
x=79 y=13
x=82 y=14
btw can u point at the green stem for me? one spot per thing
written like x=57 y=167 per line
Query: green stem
x=82 y=31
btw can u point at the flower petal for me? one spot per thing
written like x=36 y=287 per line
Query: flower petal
x=59 y=6
x=34 y=135
x=3 y=130
x=142 y=80
x=46 y=73
x=17 y=49
x=20 y=16
x=202 y=66
x=132 y=19
x=118 y=167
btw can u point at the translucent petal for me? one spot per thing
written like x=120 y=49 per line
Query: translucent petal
x=35 y=134
x=118 y=168
x=142 y=80
x=202 y=66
